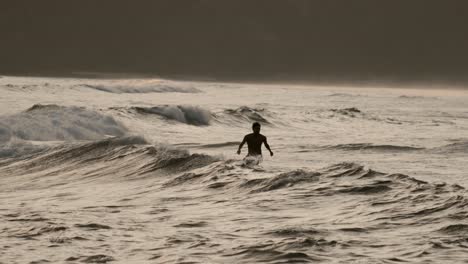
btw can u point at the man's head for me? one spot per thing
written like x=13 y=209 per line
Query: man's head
x=256 y=127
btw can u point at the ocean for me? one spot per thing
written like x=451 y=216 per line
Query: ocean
x=146 y=171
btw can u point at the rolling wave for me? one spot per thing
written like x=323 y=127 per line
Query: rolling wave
x=124 y=156
x=54 y=122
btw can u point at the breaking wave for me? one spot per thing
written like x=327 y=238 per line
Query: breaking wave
x=53 y=122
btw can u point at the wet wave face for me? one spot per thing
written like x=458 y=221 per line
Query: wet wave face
x=199 y=116
x=192 y=115
x=106 y=199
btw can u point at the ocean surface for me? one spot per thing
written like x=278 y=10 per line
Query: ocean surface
x=146 y=171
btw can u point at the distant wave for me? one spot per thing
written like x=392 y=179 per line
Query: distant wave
x=25 y=87
x=372 y=147
x=353 y=112
x=244 y=114
x=343 y=95
x=416 y=97
x=220 y=145
x=192 y=115
x=142 y=87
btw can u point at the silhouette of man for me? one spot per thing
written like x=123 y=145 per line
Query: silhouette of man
x=254 y=142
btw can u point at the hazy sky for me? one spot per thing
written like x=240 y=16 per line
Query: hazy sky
x=412 y=40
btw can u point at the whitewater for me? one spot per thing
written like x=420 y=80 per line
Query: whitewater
x=146 y=171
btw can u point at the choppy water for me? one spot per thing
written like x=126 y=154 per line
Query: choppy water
x=145 y=171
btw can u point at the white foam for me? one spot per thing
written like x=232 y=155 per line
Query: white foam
x=15 y=147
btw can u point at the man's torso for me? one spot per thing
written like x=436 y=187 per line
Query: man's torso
x=254 y=143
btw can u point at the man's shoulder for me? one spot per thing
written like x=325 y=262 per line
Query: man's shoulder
x=253 y=135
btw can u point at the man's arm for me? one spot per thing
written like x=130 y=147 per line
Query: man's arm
x=241 y=145
x=267 y=146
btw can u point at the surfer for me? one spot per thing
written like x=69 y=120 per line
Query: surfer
x=254 y=142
